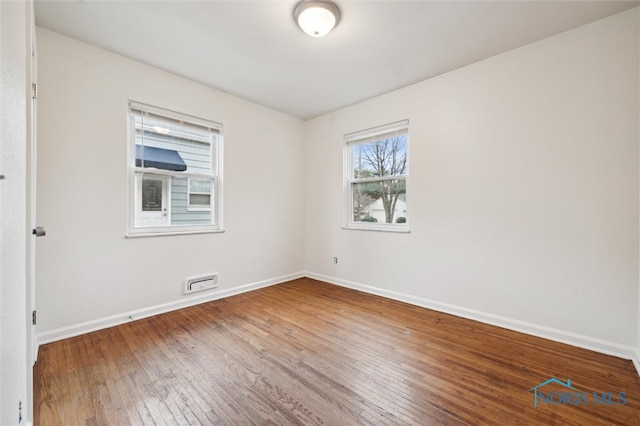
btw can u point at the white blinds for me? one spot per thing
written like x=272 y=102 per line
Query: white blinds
x=186 y=122
x=380 y=132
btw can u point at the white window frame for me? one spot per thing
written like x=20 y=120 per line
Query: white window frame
x=366 y=136
x=215 y=175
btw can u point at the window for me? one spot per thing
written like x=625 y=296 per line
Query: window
x=376 y=170
x=175 y=169
x=199 y=195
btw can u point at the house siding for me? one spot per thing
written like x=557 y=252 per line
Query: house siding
x=198 y=157
x=179 y=201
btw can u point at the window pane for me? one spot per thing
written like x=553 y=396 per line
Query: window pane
x=151 y=195
x=381 y=201
x=199 y=200
x=383 y=157
x=154 y=125
x=170 y=146
x=200 y=186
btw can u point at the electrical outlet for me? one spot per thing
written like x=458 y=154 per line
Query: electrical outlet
x=335 y=260
x=19 y=411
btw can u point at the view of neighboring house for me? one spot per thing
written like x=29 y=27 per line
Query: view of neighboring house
x=375 y=210
x=174 y=172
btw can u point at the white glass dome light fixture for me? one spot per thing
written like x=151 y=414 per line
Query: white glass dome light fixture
x=316 y=17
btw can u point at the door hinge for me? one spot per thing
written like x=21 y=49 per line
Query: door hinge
x=33 y=317
x=34 y=90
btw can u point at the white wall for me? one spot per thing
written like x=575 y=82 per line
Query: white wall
x=523 y=196
x=14 y=62
x=87 y=270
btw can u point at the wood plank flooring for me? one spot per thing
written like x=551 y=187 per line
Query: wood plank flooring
x=310 y=353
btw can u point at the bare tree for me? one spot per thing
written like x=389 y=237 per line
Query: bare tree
x=385 y=158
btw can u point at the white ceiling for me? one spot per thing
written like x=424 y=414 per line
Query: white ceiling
x=253 y=49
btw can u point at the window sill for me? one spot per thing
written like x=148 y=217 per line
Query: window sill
x=145 y=234
x=402 y=229
x=198 y=209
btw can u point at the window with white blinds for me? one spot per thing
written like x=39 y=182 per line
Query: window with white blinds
x=175 y=172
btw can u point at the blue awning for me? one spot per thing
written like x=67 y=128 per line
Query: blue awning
x=159 y=158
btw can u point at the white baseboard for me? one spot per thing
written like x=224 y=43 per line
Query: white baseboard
x=573 y=339
x=102 y=323
x=586 y=342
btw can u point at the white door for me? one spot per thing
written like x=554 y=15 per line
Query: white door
x=153 y=200
x=16 y=27
x=32 y=139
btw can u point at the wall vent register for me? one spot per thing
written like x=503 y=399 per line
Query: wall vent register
x=207 y=282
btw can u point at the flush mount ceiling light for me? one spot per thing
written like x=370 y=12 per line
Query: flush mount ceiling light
x=316 y=17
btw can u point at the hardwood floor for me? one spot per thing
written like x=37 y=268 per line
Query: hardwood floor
x=307 y=352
